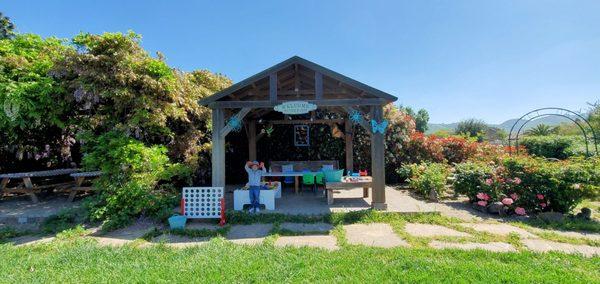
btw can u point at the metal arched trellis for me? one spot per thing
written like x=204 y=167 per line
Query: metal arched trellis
x=580 y=121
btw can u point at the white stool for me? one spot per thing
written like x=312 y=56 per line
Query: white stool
x=242 y=197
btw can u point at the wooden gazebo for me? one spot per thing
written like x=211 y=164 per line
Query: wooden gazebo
x=299 y=80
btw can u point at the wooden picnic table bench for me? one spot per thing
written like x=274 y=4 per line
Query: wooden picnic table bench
x=80 y=178
x=348 y=183
x=47 y=179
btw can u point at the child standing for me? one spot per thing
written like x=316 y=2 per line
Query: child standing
x=255 y=172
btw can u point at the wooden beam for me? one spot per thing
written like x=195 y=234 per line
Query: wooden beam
x=273 y=87
x=240 y=115
x=306 y=121
x=318 y=85
x=378 y=162
x=252 y=140
x=349 y=135
x=218 y=148
x=323 y=102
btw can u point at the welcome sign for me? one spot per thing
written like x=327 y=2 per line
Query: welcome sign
x=295 y=107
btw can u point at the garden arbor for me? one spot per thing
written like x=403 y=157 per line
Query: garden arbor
x=299 y=83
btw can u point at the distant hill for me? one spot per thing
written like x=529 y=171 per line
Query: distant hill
x=548 y=120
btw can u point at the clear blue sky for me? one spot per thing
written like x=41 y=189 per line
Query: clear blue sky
x=493 y=60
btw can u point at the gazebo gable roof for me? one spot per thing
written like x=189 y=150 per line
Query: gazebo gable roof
x=352 y=88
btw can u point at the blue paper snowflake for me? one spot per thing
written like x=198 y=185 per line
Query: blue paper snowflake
x=356 y=116
x=235 y=124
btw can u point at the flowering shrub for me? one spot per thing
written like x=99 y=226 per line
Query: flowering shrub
x=526 y=185
x=427 y=177
x=457 y=150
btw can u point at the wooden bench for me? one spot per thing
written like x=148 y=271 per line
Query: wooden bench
x=44 y=180
x=80 y=178
x=348 y=183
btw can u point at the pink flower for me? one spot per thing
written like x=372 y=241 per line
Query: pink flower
x=488 y=181
x=480 y=195
x=520 y=211
x=507 y=201
x=543 y=205
x=540 y=196
x=482 y=203
x=514 y=196
x=517 y=180
x=576 y=186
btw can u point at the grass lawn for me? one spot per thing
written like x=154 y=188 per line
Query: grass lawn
x=81 y=260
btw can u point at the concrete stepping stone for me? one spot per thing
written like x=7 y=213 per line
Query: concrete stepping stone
x=576 y=235
x=539 y=245
x=201 y=226
x=495 y=246
x=427 y=230
x=249 y=234
x=307 y=227
x=179 y=241
x=499 y=229
x=375 y=235
x=324 y=242
x=30 y=240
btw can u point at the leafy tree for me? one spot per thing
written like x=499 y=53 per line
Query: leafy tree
x=541 y=130
x=472 y=128
x=117 y=85
x=495 y=134
x=6 y=27
x=34 y=121
x=421 y=118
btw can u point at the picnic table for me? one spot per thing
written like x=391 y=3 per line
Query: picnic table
x=80 y=178
x=296 y=176
x=47 y=180
x=348 y=183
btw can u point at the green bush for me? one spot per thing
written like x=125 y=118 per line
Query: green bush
x=552 y=146
x=427 y=177
x=469 y=178
x=136 y=179
x=528 y=185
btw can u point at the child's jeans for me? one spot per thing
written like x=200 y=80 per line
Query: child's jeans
x=254 y=197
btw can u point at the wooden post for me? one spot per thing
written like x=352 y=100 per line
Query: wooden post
x=273 y=88
x=349 y=130
x=218 y=148
x=252 y=140
x=29 y=189
x=318 y=85
x=378 y=162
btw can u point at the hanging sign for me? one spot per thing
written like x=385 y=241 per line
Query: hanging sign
x=295 y=107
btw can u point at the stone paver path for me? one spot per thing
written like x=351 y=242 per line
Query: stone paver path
x=307 y=227
x=123 y=236
x=179 y=241
x=195 y=225
x=376 y=234
x=495 y=246
x=325 y=242
x=249 y=234
x=545 y=246
x=427 y=230
x=576 y=235
x=499 y=229
x=30 y=240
